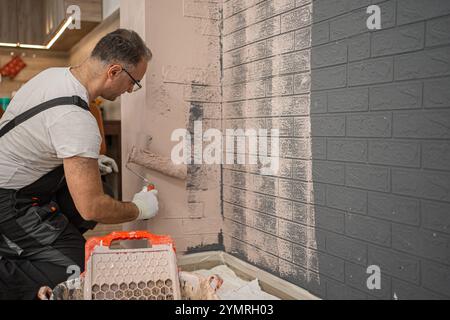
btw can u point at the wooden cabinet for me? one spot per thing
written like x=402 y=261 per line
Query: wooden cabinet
x=30 y=21
x=8 y=21
x=91 y=10
x=21 y=21
x=37 y=21
x=55 y=13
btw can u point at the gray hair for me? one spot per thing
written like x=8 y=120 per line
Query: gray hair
x=123 y=46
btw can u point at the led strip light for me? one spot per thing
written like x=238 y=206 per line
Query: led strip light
x=40 y=47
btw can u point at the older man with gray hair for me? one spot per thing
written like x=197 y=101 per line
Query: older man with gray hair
x=50 y=184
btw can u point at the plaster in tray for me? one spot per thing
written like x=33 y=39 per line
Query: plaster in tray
x=235 y=288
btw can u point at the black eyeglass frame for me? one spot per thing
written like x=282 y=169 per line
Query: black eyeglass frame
x=136 y=82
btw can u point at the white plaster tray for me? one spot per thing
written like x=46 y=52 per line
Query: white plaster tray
x=268 y=282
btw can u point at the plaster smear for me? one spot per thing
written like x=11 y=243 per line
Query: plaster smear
x=158 y=163
x=234 y=288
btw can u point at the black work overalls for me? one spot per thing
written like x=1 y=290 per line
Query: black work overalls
x=40 y=228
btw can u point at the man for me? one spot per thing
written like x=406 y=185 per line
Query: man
x=50 y=182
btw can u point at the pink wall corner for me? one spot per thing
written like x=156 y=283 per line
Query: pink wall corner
x=183 y=54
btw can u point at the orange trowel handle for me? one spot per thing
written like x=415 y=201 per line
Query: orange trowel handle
x=125 y=235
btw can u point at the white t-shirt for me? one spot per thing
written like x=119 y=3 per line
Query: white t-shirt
x=39 y=145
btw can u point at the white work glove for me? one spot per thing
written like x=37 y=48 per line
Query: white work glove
x=147 y=203
x=107 y=165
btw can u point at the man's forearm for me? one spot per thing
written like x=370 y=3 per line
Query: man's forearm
x=85 y=186
x=107 y=210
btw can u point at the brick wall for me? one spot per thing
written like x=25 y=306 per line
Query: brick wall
x=364 y=118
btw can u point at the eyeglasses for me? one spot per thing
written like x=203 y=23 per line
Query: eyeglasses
x=137 y=83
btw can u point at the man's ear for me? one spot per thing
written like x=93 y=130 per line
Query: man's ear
x=113 y=71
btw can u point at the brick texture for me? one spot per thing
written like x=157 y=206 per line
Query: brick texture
x=364 y=116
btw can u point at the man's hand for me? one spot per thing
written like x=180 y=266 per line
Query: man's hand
x=44 y=293
x=147 y=203
x=107 y=165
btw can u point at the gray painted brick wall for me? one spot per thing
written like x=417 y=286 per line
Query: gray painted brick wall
x=365 y=144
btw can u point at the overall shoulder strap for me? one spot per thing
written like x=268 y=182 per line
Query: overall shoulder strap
x=74 y=100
